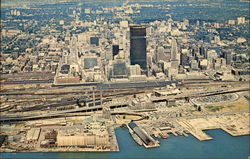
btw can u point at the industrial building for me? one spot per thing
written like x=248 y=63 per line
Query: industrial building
x=141 y=104
x=82 y=140
x=92 y=134
x=33 y=134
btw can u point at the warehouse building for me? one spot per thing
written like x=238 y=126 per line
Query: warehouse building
x=33 y=135
x=82 y=140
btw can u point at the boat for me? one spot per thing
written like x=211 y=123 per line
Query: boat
x=135 y=137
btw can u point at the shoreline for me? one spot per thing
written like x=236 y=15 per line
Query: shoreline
x=118 y=150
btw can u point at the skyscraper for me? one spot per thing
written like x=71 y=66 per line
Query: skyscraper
x=228 y=57
x=138 y=54
x=73 y=49
x=175 y=56
x=174 y=50
x=94 y=41
x=115 y=50
x=184 y=57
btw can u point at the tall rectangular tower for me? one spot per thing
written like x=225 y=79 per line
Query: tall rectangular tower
x=228 y=57
x=175 y=56
x=138 y=54
x=174 y=50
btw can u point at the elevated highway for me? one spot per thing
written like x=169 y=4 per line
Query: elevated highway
x=199 y=94
x=60 y=113
x=182 y=95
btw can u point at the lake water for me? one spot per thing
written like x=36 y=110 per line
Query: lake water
x=223 y=146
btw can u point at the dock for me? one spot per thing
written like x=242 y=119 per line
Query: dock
x=142 y=136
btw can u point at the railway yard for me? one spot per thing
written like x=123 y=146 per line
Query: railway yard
x=37 y=116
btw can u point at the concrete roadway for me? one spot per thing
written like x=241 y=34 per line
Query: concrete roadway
x=27 y=82
x=200 y=94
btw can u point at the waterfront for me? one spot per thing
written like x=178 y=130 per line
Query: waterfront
x=222 y=146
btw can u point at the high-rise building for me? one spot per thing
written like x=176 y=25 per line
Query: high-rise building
x=121 y=41
x=94 y=41
x=201 y=51
x=228 y=57
x=184 y=57
x=67 y=37
x=73 y=50
x=175 y=56
x=161 y=55
x=174 y=50
x=115 y=50
x=138 y=54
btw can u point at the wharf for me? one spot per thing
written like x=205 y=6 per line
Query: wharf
x=116 y=147
x=142 y=136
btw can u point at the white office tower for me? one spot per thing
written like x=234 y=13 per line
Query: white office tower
x=174 y=50
x=175 y=57
x=121 y=41
x=73 y=50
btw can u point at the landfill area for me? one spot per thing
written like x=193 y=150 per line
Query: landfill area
x=234 y=124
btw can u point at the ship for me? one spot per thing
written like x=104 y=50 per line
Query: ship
x=135 y=137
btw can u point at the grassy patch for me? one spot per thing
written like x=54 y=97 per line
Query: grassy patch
x=240 y=105
x=247 y=97
x=214 y=108
x=20 y=125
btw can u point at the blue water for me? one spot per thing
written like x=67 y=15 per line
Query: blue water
x=223 y=146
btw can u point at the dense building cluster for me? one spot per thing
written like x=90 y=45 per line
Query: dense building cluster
x=101 y=50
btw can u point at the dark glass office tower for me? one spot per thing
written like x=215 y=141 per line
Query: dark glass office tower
x=184 y=59
x=228 y=57
x=138 y=54
x=94 y=41
x=115 y=50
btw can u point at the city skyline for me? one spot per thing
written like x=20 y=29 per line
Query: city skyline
x=76 y=74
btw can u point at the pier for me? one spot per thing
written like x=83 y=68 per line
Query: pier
x=146 y=140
